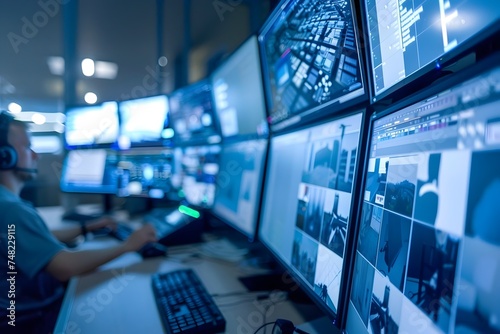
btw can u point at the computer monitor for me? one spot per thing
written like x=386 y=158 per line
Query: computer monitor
x=239 y=184
x=91 y=126
x=308 y=204
x=90 y=171
x=196 y=169
x=145 y=172
x=192 y=115
x=144 y=122
x=238 y=93
x=311 y=59
x=409 y=39
x=428 y=247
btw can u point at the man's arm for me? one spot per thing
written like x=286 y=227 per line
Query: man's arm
x=70 y=233
x=67 y=264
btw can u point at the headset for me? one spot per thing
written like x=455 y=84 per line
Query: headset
x=8 y=154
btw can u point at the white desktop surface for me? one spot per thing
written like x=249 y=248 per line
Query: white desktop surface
x=118 y=297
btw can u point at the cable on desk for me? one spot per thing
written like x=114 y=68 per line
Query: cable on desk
x=264 y=325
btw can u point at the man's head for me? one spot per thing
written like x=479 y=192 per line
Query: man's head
x=16 y=156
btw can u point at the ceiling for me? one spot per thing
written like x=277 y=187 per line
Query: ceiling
x=120 y=31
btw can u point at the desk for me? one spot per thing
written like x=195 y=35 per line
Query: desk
x=118 y=297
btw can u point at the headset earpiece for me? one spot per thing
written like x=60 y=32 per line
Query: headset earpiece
x=8 y=155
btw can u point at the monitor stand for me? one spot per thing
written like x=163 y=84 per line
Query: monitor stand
x=276 y=280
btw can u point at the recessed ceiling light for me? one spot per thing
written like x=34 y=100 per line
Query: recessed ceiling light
x=88 y=67
x=14 y=108
x=90 y=98
x=38 y=118
x=162 y=61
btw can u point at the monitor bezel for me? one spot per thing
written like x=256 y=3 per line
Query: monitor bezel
x=312 y=114
x=156 y=143
x=225 y=60
x=337 y=318
x=421 y=78
x=195 y=140
x=428 y=94
x=74 y=108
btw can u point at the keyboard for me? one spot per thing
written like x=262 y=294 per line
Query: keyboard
x=184 y=304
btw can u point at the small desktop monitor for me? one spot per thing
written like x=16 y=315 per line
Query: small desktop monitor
x=90 y=171
x=144 y=122
x=238 y=93
x=239 y=184
x=92 y=126
x=192 y=115
x=406 y=40
x=308 y=204
x=195 y=175
x=428 y=247
x=145 y=172
x=311 y=59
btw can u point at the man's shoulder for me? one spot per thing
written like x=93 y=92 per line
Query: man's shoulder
x=17 y=210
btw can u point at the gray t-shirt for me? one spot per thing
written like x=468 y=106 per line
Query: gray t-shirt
x=35 y=246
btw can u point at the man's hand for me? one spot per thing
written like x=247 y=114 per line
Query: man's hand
x=141 y=237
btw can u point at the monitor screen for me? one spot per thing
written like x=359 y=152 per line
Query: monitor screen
x=311 y=58
x=306 y=210
x=405 y=37
x=192 y=115
x=196 y=171
x=239 y=184
x=145 y=172
x=144 y=122
x=238 y=93
x=428 y=250
x=91 y=125
x=90 y=171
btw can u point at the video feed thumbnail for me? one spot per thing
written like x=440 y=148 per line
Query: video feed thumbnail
x=431 y=272
x=401 y=184
x=376 y=181
x=335 y=220
x=304 y=255
x=393 y=247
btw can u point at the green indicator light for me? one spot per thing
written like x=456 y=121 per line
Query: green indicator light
x=188 y=211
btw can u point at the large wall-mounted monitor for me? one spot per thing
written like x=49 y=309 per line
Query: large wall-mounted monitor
x=307 y=204
x=90 y=171
x=145 y=122
x=196 y=173
x=428 y=250
x=238 y=93
x=239 y=184
x=311 y=59
x=411 y=38
x=92 y=126
x=145 y=172
x=192 y=115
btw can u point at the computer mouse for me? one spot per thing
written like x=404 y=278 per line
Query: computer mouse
x=153 y=250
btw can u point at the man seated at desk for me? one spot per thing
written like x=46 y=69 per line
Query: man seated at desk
x=34 y=260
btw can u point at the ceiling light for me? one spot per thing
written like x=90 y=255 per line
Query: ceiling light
x=88 y=67
x=56 y=65
x=38 y=118
x=90 y=98
x=105 y=70
x=162 y=61
x=14 y=108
